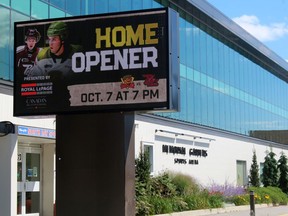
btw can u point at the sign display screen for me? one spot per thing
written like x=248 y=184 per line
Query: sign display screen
x=110 y=62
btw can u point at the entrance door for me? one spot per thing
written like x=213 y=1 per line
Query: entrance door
x=28 y=177
x=241 y=173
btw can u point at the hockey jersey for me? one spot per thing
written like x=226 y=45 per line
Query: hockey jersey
x=25 y=58
x=49 y=64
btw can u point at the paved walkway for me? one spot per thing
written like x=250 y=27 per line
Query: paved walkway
x=260 y=210
x=267 y=211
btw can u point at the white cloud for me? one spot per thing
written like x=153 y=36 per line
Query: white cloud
x=262 y=32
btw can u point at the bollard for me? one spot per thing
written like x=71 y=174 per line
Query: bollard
x=252 y=204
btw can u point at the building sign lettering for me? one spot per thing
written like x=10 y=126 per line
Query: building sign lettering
x=177 y=150
x=198 y=152
x=174 y=149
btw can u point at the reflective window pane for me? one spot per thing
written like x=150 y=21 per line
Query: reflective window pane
x=5 y=2
x=137 y=4
x=156 y=5
x=56 y=13
x=15 y=17
x=147 y=4
x=19 y=203
x=126 y=5
x=33 y=167
x=182 y=25
x=23 y=6
x=4 y=71
x=39 y=9
x=74 y=8
x=5 y=38
x=88 y=7
x=19 y=171
x=58 y=3
x=101 y=6
x=114 y=5
x=32 y=202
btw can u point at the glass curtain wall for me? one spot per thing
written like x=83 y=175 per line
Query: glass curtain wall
x=220 y=88
x=223 y=89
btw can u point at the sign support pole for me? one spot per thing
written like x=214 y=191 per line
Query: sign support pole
x=95 y=164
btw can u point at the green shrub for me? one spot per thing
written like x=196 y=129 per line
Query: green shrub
x=178 y=204
x=197 y=200
x=215 y=200
x=143 y=206
x=241 y=200
x=169 y=193
x=269 y=195
x=185 y=184
x=160 y=205
x=162 y=186
x=262 y=195
x=277 y=196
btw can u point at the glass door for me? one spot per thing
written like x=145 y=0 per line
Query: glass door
x=241 y=173
x=28 y=177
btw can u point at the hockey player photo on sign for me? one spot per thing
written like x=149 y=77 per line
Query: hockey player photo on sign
x=55 y=60
x=26 y=54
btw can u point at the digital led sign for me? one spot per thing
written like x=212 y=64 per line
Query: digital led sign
x=110 y=62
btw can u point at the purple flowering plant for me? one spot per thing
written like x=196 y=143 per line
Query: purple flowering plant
x=227 y=190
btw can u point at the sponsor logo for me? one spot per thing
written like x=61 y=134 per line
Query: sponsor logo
x=127 y=82
x=150 y=80
x=41 y=101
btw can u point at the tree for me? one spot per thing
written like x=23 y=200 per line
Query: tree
x=142 y=167
x=142 y=179
x=283 y=169
x=270 y=171
x=254 y=172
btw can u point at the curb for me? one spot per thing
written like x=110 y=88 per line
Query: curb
x=203 y=212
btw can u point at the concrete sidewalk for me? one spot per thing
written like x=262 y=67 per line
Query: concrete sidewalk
x=260 y=210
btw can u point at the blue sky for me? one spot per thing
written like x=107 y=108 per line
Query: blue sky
x=267 y=20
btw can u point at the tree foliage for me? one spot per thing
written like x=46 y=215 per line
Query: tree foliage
x=270 y=171
x=254 y=172
x=142 y=167
x=142 y=182
x=283 y=170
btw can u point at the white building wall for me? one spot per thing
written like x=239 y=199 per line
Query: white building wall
x=8 y=175
x=223 y=149
x=6 y=112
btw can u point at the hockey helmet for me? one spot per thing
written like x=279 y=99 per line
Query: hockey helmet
x=58 y=28
x=33 y=33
